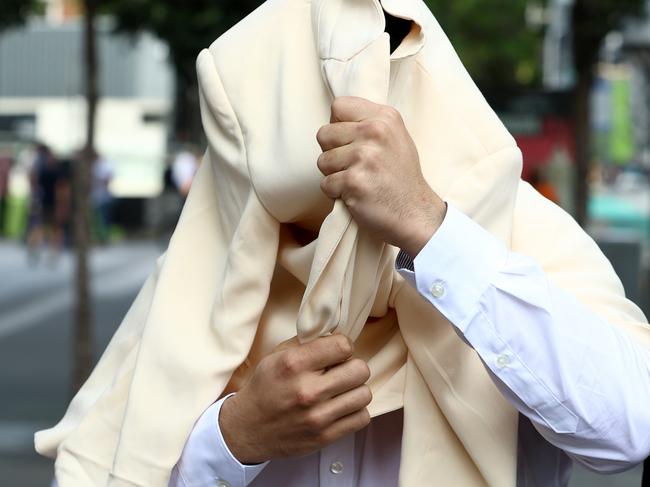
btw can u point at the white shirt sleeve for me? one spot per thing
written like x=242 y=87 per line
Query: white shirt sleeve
x=206 y=460
x=584 y=383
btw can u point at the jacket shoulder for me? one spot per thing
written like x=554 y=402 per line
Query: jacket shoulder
x=262 y=36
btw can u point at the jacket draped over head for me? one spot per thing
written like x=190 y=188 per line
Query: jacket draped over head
x=238 y=278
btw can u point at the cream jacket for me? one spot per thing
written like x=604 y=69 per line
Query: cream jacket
x=236 y=281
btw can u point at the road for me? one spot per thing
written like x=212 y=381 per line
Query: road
x=35 y=348
x=35 y=341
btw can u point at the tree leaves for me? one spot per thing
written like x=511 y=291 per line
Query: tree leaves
x=186 y=26
x=493 y=40
x=14 y=12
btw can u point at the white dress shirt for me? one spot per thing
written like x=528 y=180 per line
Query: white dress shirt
x=584 y=384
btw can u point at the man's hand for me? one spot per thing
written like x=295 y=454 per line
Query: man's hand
x=370 y=161
x=298 y=400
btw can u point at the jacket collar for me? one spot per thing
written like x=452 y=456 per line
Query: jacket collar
x=343 y=28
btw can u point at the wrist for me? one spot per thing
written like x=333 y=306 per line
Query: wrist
x=236 y=432
x=422 y=226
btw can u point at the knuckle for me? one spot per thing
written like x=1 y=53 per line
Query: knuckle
x=365 y=156
x=289 y=364
x=305 y=397
x=360 y=153
x=375 y=129
x=355 y=182
x=366 y=395
x=360 y=367
x=351 y=203
x=328 y=187
x=314 y=422
x=372 y=166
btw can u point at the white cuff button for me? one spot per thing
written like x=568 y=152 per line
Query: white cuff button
x=222 y=483
x=503 y=361
x=438 y=289
x=336 y=468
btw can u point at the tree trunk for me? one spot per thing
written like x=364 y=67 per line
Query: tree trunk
x=83 y=308
x=187 y=118
x=583 y=143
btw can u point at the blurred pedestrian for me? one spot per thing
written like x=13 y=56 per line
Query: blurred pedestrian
x=101 y=197
x=44 y=221
x=169 y=203
x=64 y=199
x=184 y=168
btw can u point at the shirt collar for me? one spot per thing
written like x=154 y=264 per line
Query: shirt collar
x=343 y=28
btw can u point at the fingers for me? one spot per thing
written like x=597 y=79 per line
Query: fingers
x=341 y=406
x=347 y=425
x=345 y=377
x=336 y=135
x=335 y=160
x=334 y=184
x=352 y=109
x=348 y=403
x=326 y=352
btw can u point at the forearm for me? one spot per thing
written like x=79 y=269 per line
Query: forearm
x=582 y=381
x=206 y=459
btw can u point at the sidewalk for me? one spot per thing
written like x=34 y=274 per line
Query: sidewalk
x=36 y=339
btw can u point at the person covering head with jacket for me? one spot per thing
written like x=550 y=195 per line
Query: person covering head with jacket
x=360 y=289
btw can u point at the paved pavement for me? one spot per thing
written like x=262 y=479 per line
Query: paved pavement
x=35 y=348
x=35 y=341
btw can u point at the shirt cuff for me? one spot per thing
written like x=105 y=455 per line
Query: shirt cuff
x=455 y=267
x=207 y=460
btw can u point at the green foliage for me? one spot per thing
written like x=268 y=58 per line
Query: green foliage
x=493 y=40
x=14 y=12
x=186 y=25
x=501 y=51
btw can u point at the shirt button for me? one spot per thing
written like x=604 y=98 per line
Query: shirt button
x=438 y=289
x=336 y=467
x=222 y=483
x=503 y=360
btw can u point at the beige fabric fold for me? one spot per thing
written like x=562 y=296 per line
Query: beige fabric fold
x=238 y=279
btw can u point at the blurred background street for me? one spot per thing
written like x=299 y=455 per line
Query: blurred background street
x=36 y=338
x=100 y=137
